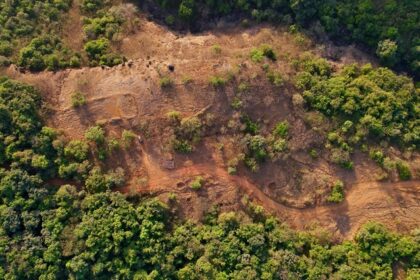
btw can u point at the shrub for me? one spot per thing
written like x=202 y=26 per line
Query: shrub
x=99 y=53
x=182 y=146
x=281 y=129
x=268 y=52
x=387 y=52
x=78 y=99
x=197 y=183
x=127 y=138
x=275 y=78
x=232 y=170
x=313 y=153
x=403 y=170
x=113 y=145
x=243 y=87
x=377 y=156
x=217 y=82
x=44 y=52
x=258 y=54
x=77 y=150
x=95 y=134
x=190 y=128
x=216 y=49
x=166 y=82
x=174 y=116
x=251 y=127
x=337 y=193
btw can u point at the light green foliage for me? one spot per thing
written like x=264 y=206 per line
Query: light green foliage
x=187 y=133
x=76 y=150
x=107 y=26
x=337 y=192
x=166 y=82
x=387 y=51
x=275 y=78
x=281 y=129
x=216 y=49
x=258 y=54
x=128 y=137
x=95 y=134
x=217 y=82
x=78 y=99
x=197 y=183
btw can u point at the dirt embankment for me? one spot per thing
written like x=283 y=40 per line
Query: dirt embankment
x=293 y=188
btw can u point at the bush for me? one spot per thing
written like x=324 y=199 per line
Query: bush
x=217 y=82
x=78 y=99
x=215 y=48
x=197 y=183
x=127 y=138
x=275 y=78
x=45 y=52
x=281 y=129
x=77 y=150
x=166 y=82
x=258 y=54
x=403 y=170
x=182 y=146
x=99 y=53
x=95 y=134
x=337 y=193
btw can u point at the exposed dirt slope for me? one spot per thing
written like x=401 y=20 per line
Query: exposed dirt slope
x=293 y=188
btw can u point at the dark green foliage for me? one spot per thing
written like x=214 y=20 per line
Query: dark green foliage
x=337 y=192
x=101 y=27
x=281 y=129
x=106 y=25
x=23 y=20
x=403 y=170
x=367 y=104
x=64 y=232
x=187 y=133
x=389 y=28
x=95 y=134
x=99 y=53
x=47 y=52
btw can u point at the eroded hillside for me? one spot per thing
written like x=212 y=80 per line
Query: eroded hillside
x=193 y=101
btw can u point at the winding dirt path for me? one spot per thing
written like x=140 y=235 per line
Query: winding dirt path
x=396 y=204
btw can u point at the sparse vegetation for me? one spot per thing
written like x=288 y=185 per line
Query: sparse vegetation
x=197 y=183
x=78 y=99
x=337 y=192
x=258 y=54
x=403 y=170
x=216 y=49
x=217 y=82
x=127 y=138
x=166 y=82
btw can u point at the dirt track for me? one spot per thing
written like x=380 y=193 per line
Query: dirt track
x=396 y=204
